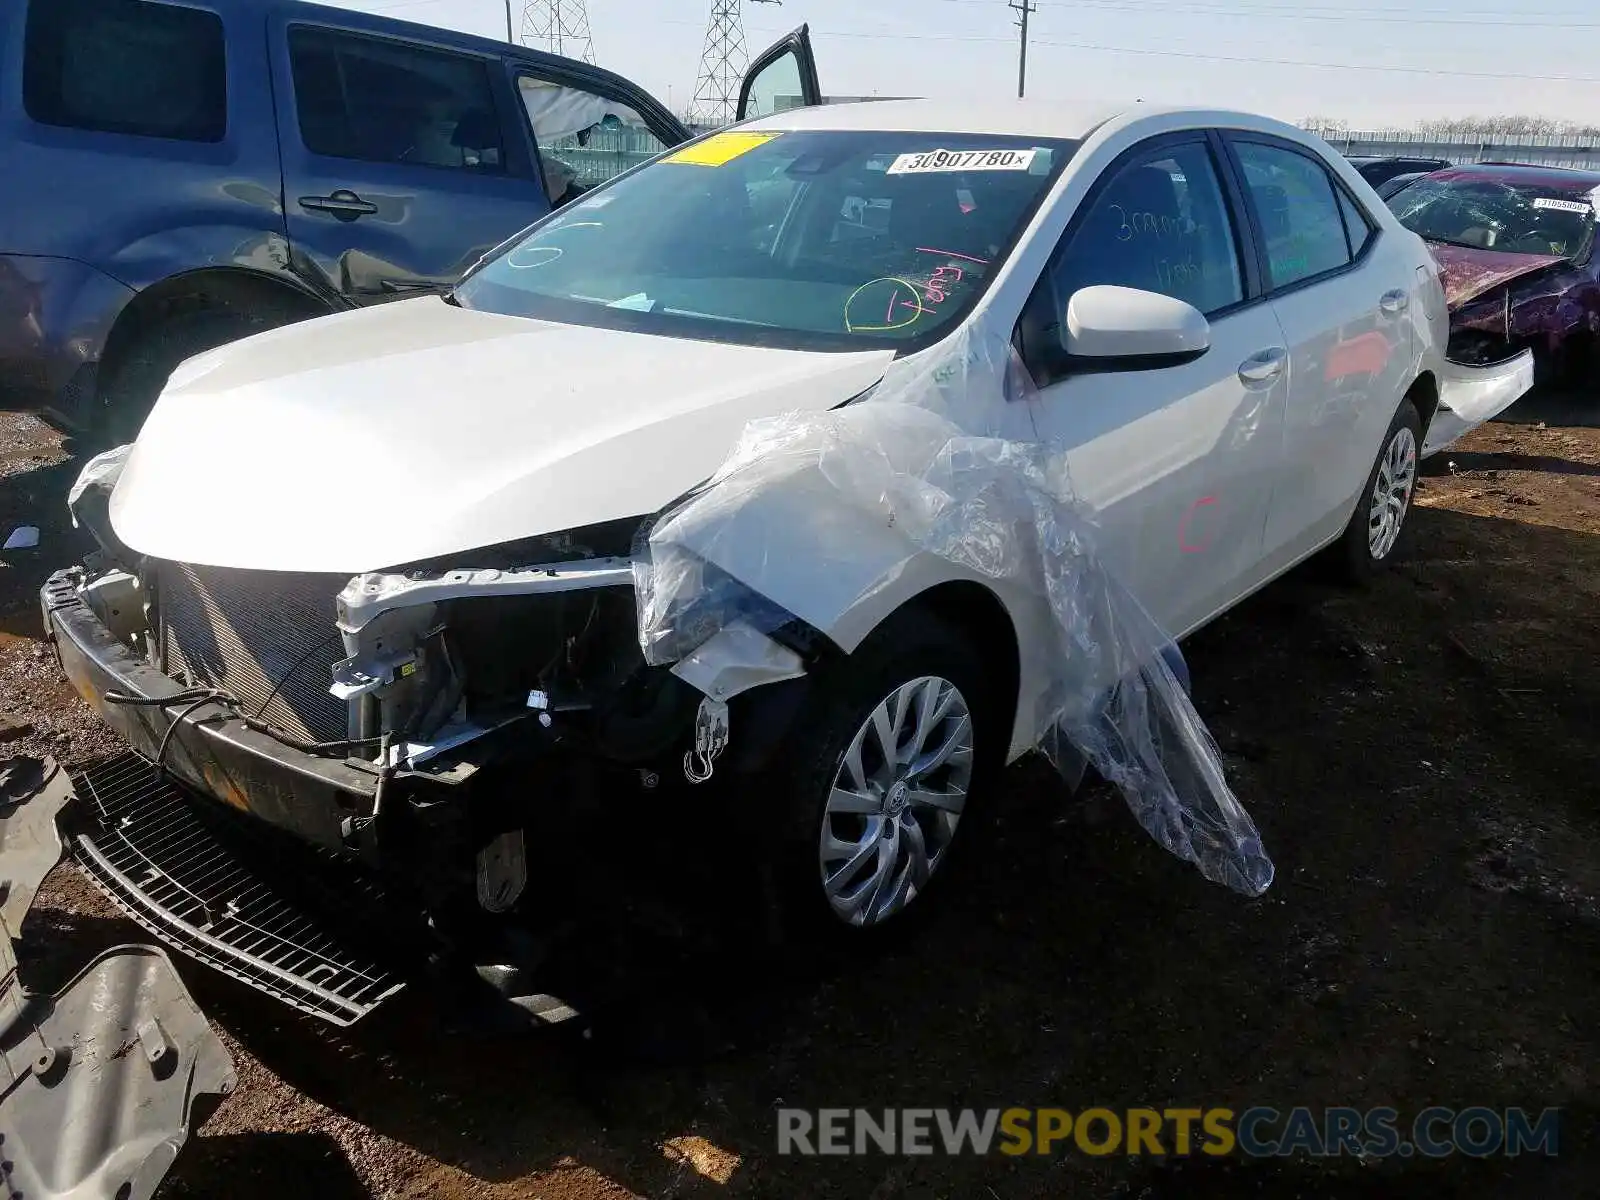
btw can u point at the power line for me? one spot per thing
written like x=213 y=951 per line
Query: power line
x=1283 y=62
x=1374 y=18
x=1291 y=62
x=1156 y=6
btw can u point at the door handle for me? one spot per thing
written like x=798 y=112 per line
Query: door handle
x=1394 y=301
x=343 y=204
x=1264 y=366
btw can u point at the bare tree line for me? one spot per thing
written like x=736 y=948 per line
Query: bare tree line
x=1509 y=125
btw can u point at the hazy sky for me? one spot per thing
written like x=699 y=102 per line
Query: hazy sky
x=1471 y=58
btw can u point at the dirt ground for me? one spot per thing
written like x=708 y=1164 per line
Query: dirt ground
x=1421 y=758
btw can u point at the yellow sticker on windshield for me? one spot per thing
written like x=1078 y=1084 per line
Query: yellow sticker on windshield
x=720 y=148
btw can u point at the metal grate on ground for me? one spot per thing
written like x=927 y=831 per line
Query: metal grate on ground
x=168 y=872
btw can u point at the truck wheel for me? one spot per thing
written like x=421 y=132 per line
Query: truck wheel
x=881 y=789
x=136 y=382
x=1369 y=541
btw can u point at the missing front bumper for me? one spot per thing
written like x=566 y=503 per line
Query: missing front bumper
x=160 y=864
x=305 y=794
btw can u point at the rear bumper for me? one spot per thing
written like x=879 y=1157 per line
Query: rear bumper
x=216 y=753
x=1471 y=395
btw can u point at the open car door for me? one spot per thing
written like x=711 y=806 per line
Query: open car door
x=784 y=76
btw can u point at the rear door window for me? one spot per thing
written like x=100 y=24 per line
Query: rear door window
x=1298 y=207
x=126 y=66
x=378 y=101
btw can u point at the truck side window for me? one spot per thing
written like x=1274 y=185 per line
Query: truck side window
x=584 y=138
x=126 y=66
x=379 y=101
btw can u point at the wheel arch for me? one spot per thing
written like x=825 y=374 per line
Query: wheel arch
x=1424 y=396
x=977 y=611
x=193 y=291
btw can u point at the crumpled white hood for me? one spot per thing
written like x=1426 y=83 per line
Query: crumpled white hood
x=415 y=429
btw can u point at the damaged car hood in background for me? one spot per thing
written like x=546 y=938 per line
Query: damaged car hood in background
x=1468 y=273
x=416 y=429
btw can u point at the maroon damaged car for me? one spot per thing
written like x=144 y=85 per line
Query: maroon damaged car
x=1516 y=251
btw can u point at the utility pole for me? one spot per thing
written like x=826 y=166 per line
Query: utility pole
x=510 y=37
x=1024 y=7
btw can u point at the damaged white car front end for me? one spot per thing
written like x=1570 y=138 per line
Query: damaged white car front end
x=777 y=468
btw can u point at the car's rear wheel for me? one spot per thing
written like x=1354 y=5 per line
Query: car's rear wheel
x=882 y=786
x=1373 y=535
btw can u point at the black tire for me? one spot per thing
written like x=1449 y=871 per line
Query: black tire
x=1352 y=556
x=789 y=799
x=1573 y=366
x=136 y=381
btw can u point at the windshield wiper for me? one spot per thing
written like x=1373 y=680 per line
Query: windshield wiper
x=1444 y=241
x=689 y=312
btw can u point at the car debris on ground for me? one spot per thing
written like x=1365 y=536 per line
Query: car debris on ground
x=105 y=1079
x=23 y=537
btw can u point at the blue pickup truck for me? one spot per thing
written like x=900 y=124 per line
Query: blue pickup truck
x=179 y=175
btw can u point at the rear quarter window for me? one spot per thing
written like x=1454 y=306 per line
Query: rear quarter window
x=1357 y=225
x=126 y=66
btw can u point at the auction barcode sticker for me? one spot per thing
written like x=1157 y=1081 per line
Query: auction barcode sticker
x=1577 y=206
x=962 y=160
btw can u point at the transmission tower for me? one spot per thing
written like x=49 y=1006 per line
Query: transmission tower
x=722 y=64
x=560 y=27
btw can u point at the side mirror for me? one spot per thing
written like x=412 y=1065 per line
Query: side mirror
x=1105 y=322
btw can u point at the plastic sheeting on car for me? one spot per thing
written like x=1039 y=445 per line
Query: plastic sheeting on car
x=100 y=472
x=925 y=455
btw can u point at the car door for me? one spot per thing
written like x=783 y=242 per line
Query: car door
x=403 y=161
x=1341 y=297
x=783 y=76
x=1177 y=460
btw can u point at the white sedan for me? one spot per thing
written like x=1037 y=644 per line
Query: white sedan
x=1231 y=339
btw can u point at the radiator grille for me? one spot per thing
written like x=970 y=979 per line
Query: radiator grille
x=266 y=636
x=168 y=872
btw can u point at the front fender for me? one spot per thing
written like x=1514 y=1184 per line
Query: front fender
x=844 y=570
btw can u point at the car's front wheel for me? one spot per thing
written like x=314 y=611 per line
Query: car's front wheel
x=881 y=787
x=1373 y=534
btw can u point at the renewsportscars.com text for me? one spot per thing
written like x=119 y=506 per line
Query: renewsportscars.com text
x=1257 y=1132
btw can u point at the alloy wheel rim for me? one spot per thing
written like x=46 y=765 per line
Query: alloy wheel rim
x=1391 y=493
x=896 y=801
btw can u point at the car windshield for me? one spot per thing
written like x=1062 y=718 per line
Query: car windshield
x=808 y=239
x=1493 y=214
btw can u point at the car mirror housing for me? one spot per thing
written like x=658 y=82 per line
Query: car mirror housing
x=1120 y=324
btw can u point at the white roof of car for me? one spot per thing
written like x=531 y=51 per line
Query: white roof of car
x=1028 y=118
